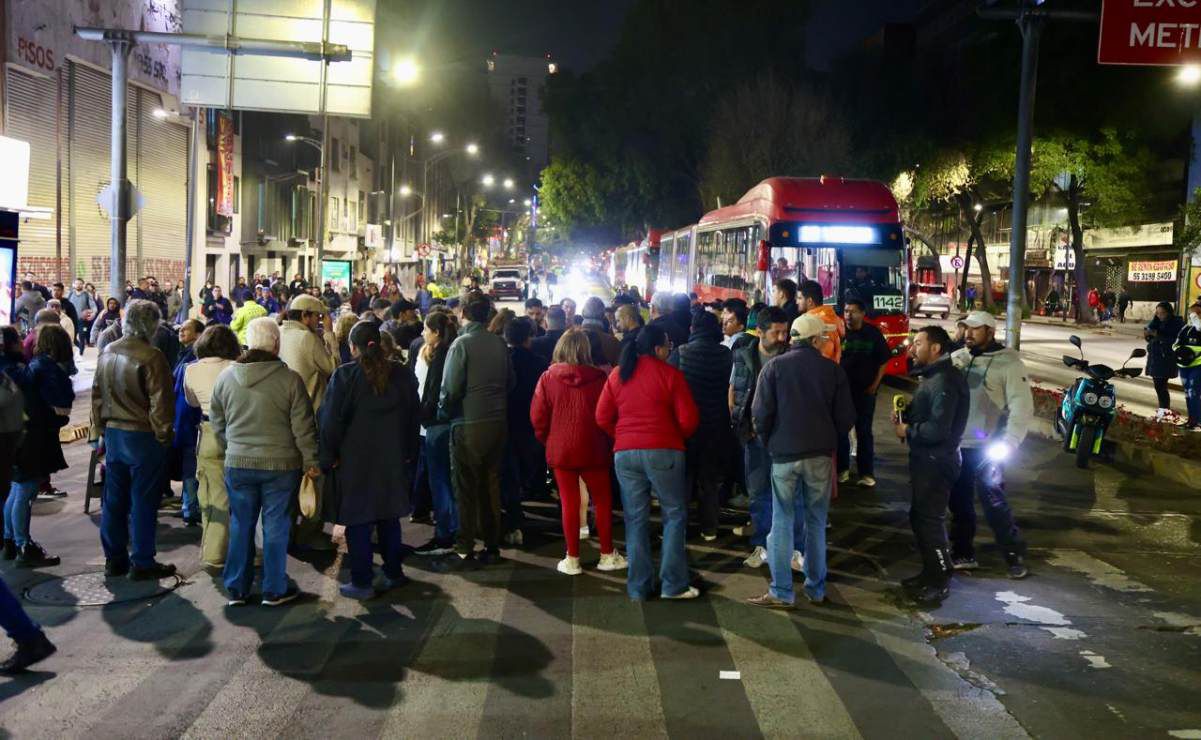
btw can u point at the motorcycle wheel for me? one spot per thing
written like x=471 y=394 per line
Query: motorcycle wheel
x=1084 y=445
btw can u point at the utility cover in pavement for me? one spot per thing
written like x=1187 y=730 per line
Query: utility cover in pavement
x=93 y=589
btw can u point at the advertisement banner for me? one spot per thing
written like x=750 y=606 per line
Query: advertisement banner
x=225 y=164
x=1152 y=271
x=337 y=273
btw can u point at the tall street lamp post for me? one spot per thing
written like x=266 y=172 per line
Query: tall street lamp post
x=315 y=271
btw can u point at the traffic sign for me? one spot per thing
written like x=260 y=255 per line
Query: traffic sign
x=957 y=262
x=423 y=250
x=1150 y=32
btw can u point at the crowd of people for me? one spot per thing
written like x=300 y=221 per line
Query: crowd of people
x=292 y=416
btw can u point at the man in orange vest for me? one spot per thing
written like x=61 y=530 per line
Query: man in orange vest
x=811 y=302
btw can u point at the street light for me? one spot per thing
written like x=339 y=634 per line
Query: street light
x=1189 y=74
x=508 y=183
x=512 y=201
x=437 y=137
x=526 y=202
x=322 y=191
x=488 y=181
x=473 y=149
x=405 y=191
x=978 y=207
x=406 y=72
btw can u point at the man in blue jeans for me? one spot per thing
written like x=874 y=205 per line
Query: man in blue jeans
x=32 y=643
x=802 y=406
x=262 y=417
x=133 y=406
x=749 y=360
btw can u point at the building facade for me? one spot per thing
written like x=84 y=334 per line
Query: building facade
x=516 y=85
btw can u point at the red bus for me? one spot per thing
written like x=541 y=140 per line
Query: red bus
x=636 y=265
x=845 y=234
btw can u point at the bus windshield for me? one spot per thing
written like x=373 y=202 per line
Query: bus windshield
x=873 y=275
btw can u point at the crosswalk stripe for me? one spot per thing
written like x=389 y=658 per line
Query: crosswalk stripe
x=613 y=668
x=967 y=710
x=788 y=690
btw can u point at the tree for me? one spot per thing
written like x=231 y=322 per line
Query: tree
x=1105 y=180
x=768 y=127
x=965 y=177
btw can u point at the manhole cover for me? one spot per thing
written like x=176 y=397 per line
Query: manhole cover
x=93 y=589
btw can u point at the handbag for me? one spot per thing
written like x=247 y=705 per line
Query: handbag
x=308 y=497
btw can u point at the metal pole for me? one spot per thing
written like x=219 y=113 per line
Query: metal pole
x=322 y=195
x=391 y=207
x=1031 y=27
x=425 y=194
x=120 y=208
x=191 y=216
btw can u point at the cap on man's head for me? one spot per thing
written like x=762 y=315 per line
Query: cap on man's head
x=306 y=302
x=980 y=318
x=805 y=327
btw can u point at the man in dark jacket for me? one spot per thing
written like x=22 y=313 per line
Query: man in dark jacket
x=556 y=324
x=865 y=356
x=933 y=426
x=474 y=399
x=802 y=405
x=525 y=459
x=706 y=366
x=785 y=298
x=403 y=323
x=748 y=362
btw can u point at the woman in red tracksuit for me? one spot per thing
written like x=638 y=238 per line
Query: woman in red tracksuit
x=564 y=417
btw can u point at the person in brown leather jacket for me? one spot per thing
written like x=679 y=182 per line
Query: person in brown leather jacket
x=133 y=408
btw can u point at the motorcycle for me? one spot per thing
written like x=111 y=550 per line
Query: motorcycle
x=1090 y=404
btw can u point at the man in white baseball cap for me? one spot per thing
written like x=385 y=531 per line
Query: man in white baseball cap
x=1000 y=410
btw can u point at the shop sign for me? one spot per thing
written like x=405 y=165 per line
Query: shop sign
x=1152 y=271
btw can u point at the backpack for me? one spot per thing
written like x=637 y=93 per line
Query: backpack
x=12 y=405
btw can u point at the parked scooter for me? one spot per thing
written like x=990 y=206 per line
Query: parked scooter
x=1090 y=404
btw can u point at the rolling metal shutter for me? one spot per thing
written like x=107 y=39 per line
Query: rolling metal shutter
x=89 y=126
x=30 y=115
x=162 y=166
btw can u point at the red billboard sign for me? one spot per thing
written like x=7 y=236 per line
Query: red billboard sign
x=225 y=164
x=1150 y=32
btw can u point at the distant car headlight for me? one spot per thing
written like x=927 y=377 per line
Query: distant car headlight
x=1090 y=399
x=1106 y=402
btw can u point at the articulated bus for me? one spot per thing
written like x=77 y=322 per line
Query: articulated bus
x=845 y=234
x=636 y=265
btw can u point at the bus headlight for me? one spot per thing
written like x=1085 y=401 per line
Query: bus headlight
x=998 y=452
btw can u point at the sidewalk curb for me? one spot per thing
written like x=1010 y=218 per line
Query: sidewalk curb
x=1175 y=468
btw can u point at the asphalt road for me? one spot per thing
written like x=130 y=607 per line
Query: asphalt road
x=1103 y=640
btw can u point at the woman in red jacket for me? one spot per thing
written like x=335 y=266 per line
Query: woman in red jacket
x=647 y=409
x=564 y=417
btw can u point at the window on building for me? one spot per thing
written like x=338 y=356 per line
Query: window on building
x=353 y=162
x=335 y=163
x=334 y=213
x=362 y=207
x=237 y=194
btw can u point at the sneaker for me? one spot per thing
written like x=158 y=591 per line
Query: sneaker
x=191 y=521
x=798 y=561
x=435 y=547
x=584 y=532
x=1018 y=569
x=1160 y=414
x=515 y=538
x=236 y=600
x=52 y=492
x=612 y=561
x=867 y=481
x=928 y=595
x=359 y=593
x=422 y=517
x=689 y=593
x=745 y=530
x=768 y=601
x=33 y=556
x=291 y=594
x=964 y=563
x=813 y=599
x=709 y=536
x=28 y=652
x=152 y=573
x=490 y=557
x=10 y=550
x=844 y=476
x=456 y=563
x=569 y=566
x=756 y=559
x=116 y=569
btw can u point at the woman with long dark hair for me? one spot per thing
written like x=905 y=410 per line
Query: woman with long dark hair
x=1160 y=334
x=368 y=427
x=48 y=398
x=648 y=412
x=440 y=331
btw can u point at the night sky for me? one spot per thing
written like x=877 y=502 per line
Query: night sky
x=579 y=33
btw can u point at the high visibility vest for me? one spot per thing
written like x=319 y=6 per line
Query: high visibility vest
x=1188 y=347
